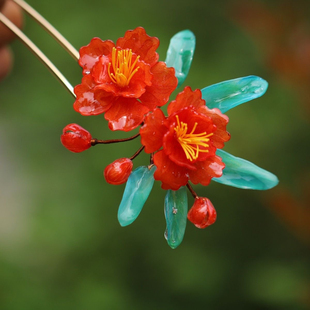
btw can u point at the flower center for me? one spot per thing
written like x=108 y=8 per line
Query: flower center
x=123 y=67
x=190 y=142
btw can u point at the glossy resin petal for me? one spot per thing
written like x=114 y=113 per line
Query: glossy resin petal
x=180 y=53
x=241 y=173
x=229 y=94
x=137 y=190
x=176 y=216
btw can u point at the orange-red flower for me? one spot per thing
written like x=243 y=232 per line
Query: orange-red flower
x=123 y=80
x=185 y=142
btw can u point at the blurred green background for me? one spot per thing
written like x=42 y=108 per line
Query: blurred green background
x=61 y=246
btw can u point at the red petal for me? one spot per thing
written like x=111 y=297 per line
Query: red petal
x=100 y=70
x=153 y=130
x=136 y=86
x=220 y=120
x=171 y=175
x=141 y=44
x=87 y=102
x=90 y=53
x=206 y=170
x=125 y=114
x=186 y=98
x=164 y=83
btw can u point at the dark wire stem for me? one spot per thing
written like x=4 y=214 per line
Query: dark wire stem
x=192 y=190
x=96 y=141
x=137 y=153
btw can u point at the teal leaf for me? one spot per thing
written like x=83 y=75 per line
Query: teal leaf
x=180 y=54
x=176 y=206
x=229 y=94
x=241 y=173
x=137 y=190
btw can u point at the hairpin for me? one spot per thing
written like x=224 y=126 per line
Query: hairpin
x=126 y=82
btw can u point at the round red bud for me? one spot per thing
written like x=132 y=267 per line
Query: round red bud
x=202 y=214
x=118 y=172
x=75 y=138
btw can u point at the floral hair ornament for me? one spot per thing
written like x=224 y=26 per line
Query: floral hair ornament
x=126 y=83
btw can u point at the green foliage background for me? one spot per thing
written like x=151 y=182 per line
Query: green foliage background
x=61 y=246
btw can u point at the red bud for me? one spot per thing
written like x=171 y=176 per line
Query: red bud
x=118 y=172
x=202 y=214
x=75 y=138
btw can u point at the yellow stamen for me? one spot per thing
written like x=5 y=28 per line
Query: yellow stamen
x=190 y=142
x=123 y=67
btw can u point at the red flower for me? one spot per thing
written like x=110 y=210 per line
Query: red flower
x=185 y=142
x=123 y=80
x=75 y=138
x=202 y=214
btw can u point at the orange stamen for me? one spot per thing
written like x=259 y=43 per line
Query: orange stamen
x=123 y=67
x=190 y=142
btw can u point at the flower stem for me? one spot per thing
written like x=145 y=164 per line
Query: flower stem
x=137 y=153
x=96 y=141
x=192 y=190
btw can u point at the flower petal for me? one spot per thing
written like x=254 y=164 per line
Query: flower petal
x=180 y=54
x=229 y=94
x=186 y=98
x=125 y=114
x=176 y=207
x=140 y=43
x=90 y=53
x=100 y=70
x=137 y=190
x=153 y=130
x=88 y=101
x=164 y=83
x=243 y=174
x=220 y=120
x=212 y=167
x=171 y=175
